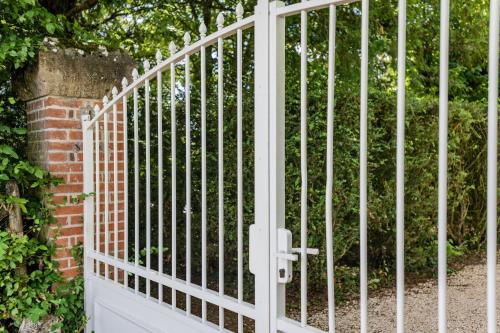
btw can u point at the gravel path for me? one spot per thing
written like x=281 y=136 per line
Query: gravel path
x=466 y=306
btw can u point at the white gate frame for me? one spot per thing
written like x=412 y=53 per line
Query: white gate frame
x=266 y=251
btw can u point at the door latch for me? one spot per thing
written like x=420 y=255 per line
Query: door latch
x=285 y=255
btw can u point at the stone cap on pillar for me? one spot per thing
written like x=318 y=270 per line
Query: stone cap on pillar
x=71 y=73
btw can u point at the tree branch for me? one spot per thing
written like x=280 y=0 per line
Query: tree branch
x=80 y=7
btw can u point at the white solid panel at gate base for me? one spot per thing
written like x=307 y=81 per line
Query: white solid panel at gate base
x=116 y=309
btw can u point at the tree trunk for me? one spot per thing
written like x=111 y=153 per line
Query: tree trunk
x=15 y=218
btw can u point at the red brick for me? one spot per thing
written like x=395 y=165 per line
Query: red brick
x=63 y=252
x=66 y=167
x=75 y=135
x=69 y=209
x=53 y=113
x=69 y=188
x=71 y=231
x=61 y=242
x=75 y=178
x=66 y=124
x=60 y=199
x=56 y=135
x=64 y=102
x=58 y=157
x=70 y=273
x=57 y=146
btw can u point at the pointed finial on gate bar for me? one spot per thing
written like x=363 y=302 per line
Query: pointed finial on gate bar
x=105 y=101
x=187 y=39
x=124 y=83
x=135 y=74
x=158 y=56
x=203 y=29
x=147 y=65
x=172 y=48
x=220 y=21
x=96 y=109
x=114 y=92
x=239 y=11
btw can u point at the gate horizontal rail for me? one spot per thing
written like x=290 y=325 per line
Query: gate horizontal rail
x=227 y=302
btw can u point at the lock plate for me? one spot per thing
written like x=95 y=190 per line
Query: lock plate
x=285 y=256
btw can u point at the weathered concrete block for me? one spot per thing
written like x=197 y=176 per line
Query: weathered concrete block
x=66 y=72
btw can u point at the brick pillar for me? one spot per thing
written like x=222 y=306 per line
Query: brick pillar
x=57 y=89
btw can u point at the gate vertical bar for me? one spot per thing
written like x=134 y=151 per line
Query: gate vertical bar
x=187 y=89
x=135 y=75
x=97 y=192
x=492 y=162
x=443 y=162
x=277 y=154
x=203 y=88
x=148 y=176
x=303 y=168
x=363 y=183
x=239 y=63
x=106 y=188
x=329 y=168
x=115 y=184
x=262 y=109
x=88 y=211
x=173 y=142
x=400 y=166
x=125 y=180
x=220 y=178
x=159 y=101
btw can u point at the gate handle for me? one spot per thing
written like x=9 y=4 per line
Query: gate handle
x=309 y=250
x=287 y=256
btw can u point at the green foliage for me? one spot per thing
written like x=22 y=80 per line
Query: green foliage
x=25 y=296
x=24 y=24
x=32 y=295
x=70 y=299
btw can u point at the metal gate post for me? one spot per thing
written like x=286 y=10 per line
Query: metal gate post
x=276 y=154
x=88 y=216
x=262 y=167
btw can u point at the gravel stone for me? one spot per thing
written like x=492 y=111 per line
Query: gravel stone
x=466 y=306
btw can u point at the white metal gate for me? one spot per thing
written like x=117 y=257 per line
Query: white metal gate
x=115 y=300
